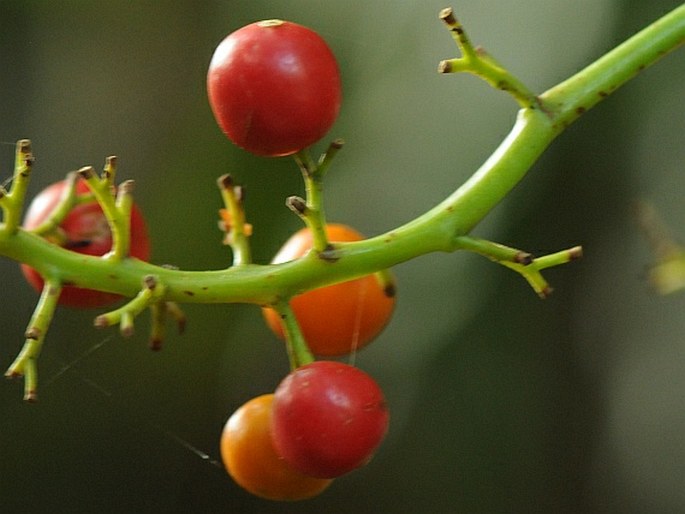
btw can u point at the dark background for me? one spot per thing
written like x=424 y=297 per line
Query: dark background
x=501 y=402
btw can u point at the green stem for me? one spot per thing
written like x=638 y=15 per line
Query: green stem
x=478 y=62
x=298 y=351
x=440 y=229
x=110 y=170
x=25 y=363
x=151 y=293
x=177 y=313
x=531 y=271
x=121 y=224
x=65 y=204
x=313 y=214
x=117 y=212
x=11 y=202
x=327 y=157
x=237 y=230
x=158 y=313
x=571 y=98
x=494 y=251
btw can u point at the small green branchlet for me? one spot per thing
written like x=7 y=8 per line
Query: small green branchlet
x=445 y=227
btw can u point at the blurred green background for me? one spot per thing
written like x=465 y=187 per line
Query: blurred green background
x=501 y=403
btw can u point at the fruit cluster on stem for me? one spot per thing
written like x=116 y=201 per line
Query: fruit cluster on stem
x=252 y=81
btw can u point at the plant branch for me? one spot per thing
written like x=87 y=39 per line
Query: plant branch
x=233 y=220
x=478 y=62
x=151 y=294
x=298 y=351
x=531 y=271
x=12 y=201
x=66 y=203
x=25 y=363
x=571 y=98
x=312 y=212
x=439 y=229
x=443 y=228
x=117 y=209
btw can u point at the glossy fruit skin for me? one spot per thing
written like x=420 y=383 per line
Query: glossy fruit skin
x=249 y=456
x=328 y=418
x=85 y=223
x=274 y=87
x=336 y=319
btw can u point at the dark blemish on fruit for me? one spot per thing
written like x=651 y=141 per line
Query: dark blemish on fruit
x=390 y=290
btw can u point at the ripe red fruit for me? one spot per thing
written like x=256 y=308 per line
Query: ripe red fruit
x=249 y=456
x=337 y=319
x=84 y=230
x=274 y=87
x=328 y=419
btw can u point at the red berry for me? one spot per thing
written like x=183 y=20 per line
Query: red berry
x=85 y=231
x=249 y=456
x=328 y=419
x=274 y=87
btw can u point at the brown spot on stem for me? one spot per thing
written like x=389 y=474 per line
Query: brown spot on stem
x=546 y=291
x=575 y=253
x=445 y=67
x=188 y=293
x=329 y=254
x=127 y=187
x=86 y=172
x=296 y=204
x=33 y=333
x=225 y=181
x=523 y=258
x=580 y=110
x=337 y=143
x=447 y=15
